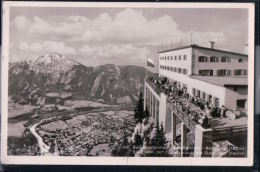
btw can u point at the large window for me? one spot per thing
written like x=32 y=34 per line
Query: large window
x=171 y=58
x=184 y=71
x=216 y=101
x=179 y=70
x=225 y=59
x=179 y=57
x=204 y=95
x=206 y=72
x=193 y=91
x=185 y=57
x=213 y=59
x=175 y=57
x=238 y=72
x=209 y=98
x=175 y=69
x=245 y=72
x=223 y=72
x=203 y=59
x=198 y=93
x=241 y=103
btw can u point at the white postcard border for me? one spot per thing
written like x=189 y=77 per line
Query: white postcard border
x=51 y=160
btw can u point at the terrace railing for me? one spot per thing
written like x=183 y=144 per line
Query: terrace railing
x=190 y=123
x=155 y=87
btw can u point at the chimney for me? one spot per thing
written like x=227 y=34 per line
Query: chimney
x=212 y=43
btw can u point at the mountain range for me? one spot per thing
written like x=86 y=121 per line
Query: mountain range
x=46 y=78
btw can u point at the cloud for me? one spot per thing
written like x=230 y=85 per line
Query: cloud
x=127 y=26
x=34 y=47
x=52 y=46
x=21 y=22
x=123 y=54
x=124 y=37
x=47 y=47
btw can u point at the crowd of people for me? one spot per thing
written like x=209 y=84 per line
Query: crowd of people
x=178 y=95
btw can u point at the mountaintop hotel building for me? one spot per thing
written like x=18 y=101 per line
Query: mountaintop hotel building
x=215 y=76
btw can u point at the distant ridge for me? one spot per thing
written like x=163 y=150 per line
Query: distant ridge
x=30 y=80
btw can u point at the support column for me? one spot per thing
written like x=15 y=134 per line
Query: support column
x=158 y=108
x=145 y=93
x=155 y=108
x=184 y=131
x=151 y=103
x=152 y=106
x=174 y=122
x=203 y=142
x=154 y=102
x=148 y=100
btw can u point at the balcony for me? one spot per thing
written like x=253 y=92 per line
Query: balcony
x=193 y=110
x=160 y=85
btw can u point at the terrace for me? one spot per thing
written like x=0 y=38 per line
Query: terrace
x=194 y=110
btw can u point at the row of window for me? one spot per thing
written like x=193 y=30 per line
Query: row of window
x=222 y=59
x=224 y=72
x=204 y=96
x=179 y=57
x=174 y=69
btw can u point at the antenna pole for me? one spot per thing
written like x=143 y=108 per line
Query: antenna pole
x=191 y=38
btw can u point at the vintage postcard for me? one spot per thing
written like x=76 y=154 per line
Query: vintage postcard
x=127 y=83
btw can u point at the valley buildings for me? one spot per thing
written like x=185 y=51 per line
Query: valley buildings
x=214 y=76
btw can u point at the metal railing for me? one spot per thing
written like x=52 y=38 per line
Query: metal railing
x=189 y=123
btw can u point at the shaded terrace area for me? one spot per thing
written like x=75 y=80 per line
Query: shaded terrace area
x=194 y=110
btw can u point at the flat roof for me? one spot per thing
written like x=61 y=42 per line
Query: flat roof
x=222 y=81
x=200 y=47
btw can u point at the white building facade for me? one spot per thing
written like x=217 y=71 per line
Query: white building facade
x=219 y=77
x=208 y=73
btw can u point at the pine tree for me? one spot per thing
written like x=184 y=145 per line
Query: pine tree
x=125 y=139
x=139 y=109
x=156 y=138
x=131 y=151
x=158 y=142
x=147 y=140
x=146 y=113
x=138 y=140
x=163 y=141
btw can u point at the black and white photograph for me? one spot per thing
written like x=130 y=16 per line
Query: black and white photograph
x=131 y=81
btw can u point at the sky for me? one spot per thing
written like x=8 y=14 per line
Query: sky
x=121 y=36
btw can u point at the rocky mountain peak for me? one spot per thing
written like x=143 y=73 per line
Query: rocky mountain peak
x=53 y=62
x=51 y=58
